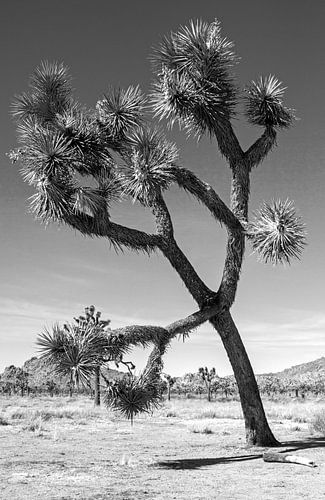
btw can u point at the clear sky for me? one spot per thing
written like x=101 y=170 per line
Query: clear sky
x=50 y=274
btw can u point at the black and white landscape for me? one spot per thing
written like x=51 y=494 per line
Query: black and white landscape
x=162 y=254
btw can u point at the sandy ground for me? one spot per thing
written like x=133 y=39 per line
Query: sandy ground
x=91 y=454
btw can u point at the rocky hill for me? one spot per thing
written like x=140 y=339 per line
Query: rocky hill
x=37 y=374
x=316 y=367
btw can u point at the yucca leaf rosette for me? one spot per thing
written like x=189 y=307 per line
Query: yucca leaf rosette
x=74 y=351
x=277 y=233
x=50 y=93
x=61 y=141
x=264 y=104
x=121 y=111
x=149 y=164
x=194 y=83
x=77 y=350
x=131 y=396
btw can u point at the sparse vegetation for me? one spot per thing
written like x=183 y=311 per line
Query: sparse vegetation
x=317 y=423
x=201 y=430
x=52 y=435
x=170 y=414
x=35 y=424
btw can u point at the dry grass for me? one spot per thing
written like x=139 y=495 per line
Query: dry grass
x=317 y=423
x=301 y=411
x=60 y=448
x=53 y=408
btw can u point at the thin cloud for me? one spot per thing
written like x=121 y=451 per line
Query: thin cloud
x=307 y=329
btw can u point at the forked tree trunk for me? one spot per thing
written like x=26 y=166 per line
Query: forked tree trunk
x=258 y=432
x=97 y=386
x=256 y=425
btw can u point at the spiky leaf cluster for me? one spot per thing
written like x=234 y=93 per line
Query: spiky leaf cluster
x=149 y=160
x=110 y=146
x=78 y=349
x=277 y=234
x=194 y=83
x=50 y=93
x=121 y=111
x=264 y=104
x=131 y=396
x=59 y=142
x=74 y=350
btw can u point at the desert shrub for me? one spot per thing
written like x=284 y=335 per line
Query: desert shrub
x=44 y=415
x=35 y=424
x=171 y=414
x=317 y=423
x=3 y=421
x=201 y=430
x=300 y=420
x=209 y=414
x=18 y=414
x=296 y=428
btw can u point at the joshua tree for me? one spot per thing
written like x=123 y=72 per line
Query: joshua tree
x=170 y=381
x=121 y=156
x=208 y=377
x=90 y=318
x=78 y=347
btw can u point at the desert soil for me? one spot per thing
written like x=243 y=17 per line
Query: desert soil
x=74 y=451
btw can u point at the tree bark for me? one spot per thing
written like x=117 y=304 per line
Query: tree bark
x=258 y=432
x=97 y=386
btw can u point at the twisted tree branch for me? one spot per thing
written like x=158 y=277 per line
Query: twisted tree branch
x=204 y=193
x=168 y=246
x=118 y=235
x=260 y=149
x=162 y=336
x=227 y=141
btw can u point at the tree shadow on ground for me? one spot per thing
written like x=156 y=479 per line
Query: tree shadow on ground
x=197 y=463
x=304 y=444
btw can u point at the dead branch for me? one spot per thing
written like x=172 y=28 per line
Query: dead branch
x=273 y=456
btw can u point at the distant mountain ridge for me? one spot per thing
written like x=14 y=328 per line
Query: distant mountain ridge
x=316 y=367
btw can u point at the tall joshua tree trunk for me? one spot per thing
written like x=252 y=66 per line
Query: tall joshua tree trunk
x=257 y=428
x=168 y=392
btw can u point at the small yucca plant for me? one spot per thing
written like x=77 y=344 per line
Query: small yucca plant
x=73 y=351
x=277 y=234
x=133 y=395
